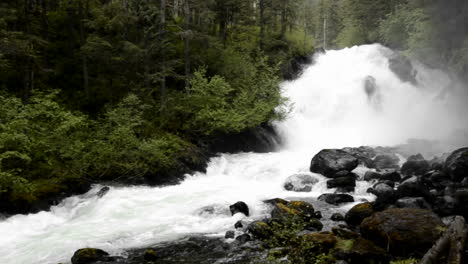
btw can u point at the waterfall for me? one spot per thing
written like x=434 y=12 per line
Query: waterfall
x=348 y=97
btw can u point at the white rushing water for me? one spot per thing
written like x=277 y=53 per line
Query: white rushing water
x=331 y=109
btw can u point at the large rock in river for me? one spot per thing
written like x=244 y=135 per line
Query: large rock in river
x=456 y=164
x=330 y=161
x=403 y=230
x=415 y=165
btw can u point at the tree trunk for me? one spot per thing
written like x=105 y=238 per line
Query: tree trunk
x=84 y=62
x=162 y=33
x=262 y=23
x=187 y=43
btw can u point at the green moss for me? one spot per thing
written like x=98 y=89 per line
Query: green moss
x=405 y=261
x=345 y=244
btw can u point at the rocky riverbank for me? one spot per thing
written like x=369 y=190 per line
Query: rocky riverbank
x=416 y=201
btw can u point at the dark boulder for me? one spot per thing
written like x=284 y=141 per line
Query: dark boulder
x=415 y=165
x=300 y=183
x=347 y=181
x=403 y=231
x=358 y=213
x=238 y=225
x=363 y=154
x=391 y=176
x=385 y=195
x=239 y=207
x=89 y=255
x=413 y=202
x=330 y=161
x=260 y=230
x=414 y=187
x=336 y=198
x=337 y=217
x=372 y=175
x=387 y=161
x=456 y=165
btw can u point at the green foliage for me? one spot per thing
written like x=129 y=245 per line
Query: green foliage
x=405 y=261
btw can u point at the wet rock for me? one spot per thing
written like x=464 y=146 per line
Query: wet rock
x=238 y=225
x=89 y=255
x=337 y=217
x=385 y=194
x=456 y=165
x=358 y=213
x=260 y=230
x=330 y=161
x=103 y=191
x=413 y=202
x=336 y=198
x=362 y=251
x=300 y=183
x=318 y=215
x=387 y=161
x=403 y=230
x=363 y=154
x=150 y=255
x=230 y=234
x=324 y=240
x=239 y=207
x=314 y=225
x=413 y=187
x=294 y=209
x=391 y=176
x=372 y=175
x=344 y=233
x=415 y=165
x=344 y=182
x=244 y=238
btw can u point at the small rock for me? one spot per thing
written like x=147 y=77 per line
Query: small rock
x=239 y=207
x=318 y=215
x=336 y=198
x=230 y=234
x=88 y=256
x=244 y=238
x=300 y=183
x=238 y=225
x=337 y=217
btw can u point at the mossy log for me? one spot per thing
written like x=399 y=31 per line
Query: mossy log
x=450 y=244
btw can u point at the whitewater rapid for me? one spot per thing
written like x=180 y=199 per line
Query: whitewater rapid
x=330 y=109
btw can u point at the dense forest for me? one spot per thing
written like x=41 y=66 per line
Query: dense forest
x=134 y=90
